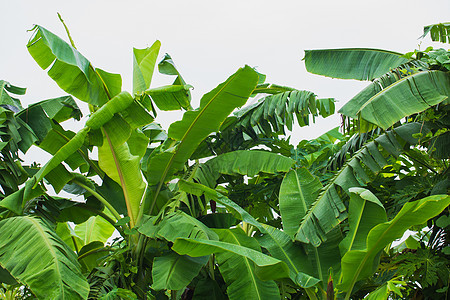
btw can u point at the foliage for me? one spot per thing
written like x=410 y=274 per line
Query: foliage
x=221 y=205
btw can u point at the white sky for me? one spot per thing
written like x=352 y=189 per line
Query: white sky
x=210 y=40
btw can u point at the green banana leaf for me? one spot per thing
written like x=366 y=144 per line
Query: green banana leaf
x=170 y=97
x=6 y=99
x=144 y=61
x=359 y=264
x=298 y=191
x=123 y=167
x=280 y=246
x=268 y=268
x=365 y=212
x=248 y=162
x=352 y=63
x=271 y=114
x=37 y=257
x=410 y=95
x=196 y=125
x=94 y=229
x=351 y=108
x=68 y=236
x=176 y=225
x=174 y=272
x=66 y=151
x=239 y=272
x=71 y=70
x=328 y=209
x=439 y=32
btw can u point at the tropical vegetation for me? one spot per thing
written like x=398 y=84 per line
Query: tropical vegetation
x=221 y=205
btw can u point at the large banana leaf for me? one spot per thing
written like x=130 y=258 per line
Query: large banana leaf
x=328 y=209
x=123 y=167
x=268 y=268
x=410 y=95
x=248 y=162
x=174 y=272
x=196 y=125
x=239 y=272
x=298 y=191
x=176 y=225
x=365 y=212
x=144 y=61
x=351 y=108
x=271 y=114
x=359 y=264
x=36 y=256
x=280 y=246
x=352 y=63
x=71 y=70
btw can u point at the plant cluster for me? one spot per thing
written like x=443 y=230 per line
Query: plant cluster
x=221 y=205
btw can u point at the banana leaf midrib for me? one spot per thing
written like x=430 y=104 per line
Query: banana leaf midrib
x=122 y=179
x=248 y=266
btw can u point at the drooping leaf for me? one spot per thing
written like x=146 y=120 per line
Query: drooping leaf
x=359 y=264
x=70 y=69
x=196 y=125
x=36 y=256
x=298 y=191
x=174 y=272
x=239 y=272
x=176 y=225
x=439 y=32
x=144 y=61
x=352 y=63
x=410 y=95
x=268 y=268
x=245 y=162
x=271 y=114
x=6 y=99
x=328 y=210
x=351 y=108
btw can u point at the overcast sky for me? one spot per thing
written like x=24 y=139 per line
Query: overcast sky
x=210 y=40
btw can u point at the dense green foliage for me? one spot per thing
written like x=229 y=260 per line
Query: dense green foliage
x=221 y=205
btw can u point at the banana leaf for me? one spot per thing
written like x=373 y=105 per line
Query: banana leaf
x=410 y=95
x=352 y=63
x=6 y=99
x=144 y=61
x=439 y=32
x=365 y=212
x=94 y=229
x=328 y=209
x=174 y=272
x=239 y=272
x=359 y=264
x=248 y=162
x=71 y=70
x=35 y=255
x=298 y=191
x=196 y=125
x=280 y=246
